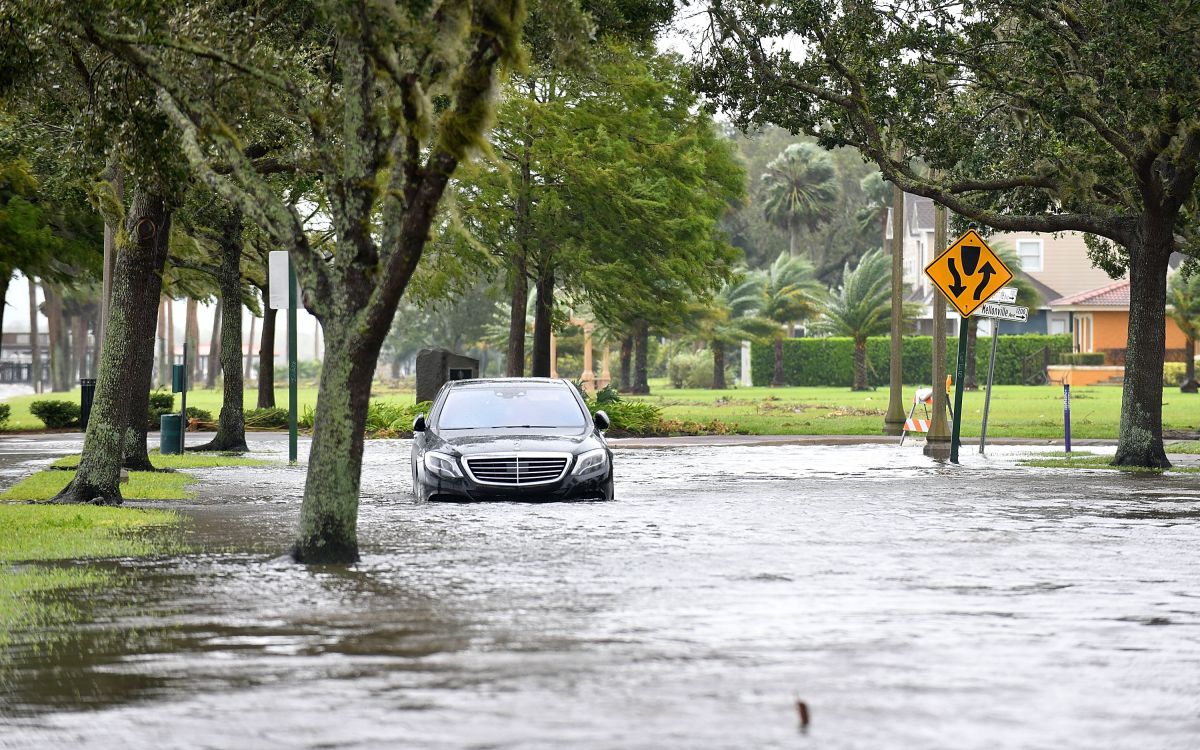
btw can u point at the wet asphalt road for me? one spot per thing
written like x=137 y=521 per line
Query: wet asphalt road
x=910 y=604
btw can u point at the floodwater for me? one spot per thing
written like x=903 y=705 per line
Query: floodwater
x=909 y=604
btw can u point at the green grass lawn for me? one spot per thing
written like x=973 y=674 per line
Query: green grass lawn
x=29 y=594
x=1016 y=411
x=1087 y=460
x=142 y=485
x=208 y=399
x=186 y=461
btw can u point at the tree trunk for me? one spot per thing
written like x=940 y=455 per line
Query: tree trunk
x=266 y=354
x=80 y=326
x=860 y=365
x=152 y=222
x=542 y=325
x=1140 y=438
x=518 y=289
x=328 y=517
x=248 y=371
x=170 y=340
x=641 y=347
x=214 y=344
x=718 y=355
x=970 y=379
x=777 y=379
x=1189 y=384
x=164 y=369
x=35 y=345
x=56 y=334
x=231 y=425
x=626 y=364
x=116 y=174
x=191 y=337
x=97 y=346
x=793 y=250
x=5 y=279
x=136 y=283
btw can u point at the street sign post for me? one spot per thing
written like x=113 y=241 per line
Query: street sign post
x=284 y=293
x=998 y=311
x=968 y=273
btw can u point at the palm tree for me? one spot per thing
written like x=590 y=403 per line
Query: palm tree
x=731 y=315
x=791 y=293
x=1183 y=298
x=801 y=190
x=861 y=307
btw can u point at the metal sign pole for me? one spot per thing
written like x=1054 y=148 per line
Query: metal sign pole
x=987 y=396
x=1067 y=415
x=958 y=389
x=291 y=361
x=183 y=401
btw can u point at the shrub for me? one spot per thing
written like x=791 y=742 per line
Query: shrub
x=636 y=417
x=1173 y=374
x=692 y=370
x=270 y=418
x=607 y=395
x=5 y=413
x=830 y=361
x=198 y=414
x=161 y=402
x=1081 y=358
x=55 y=414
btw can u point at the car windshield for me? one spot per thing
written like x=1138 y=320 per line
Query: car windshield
x=510 y=406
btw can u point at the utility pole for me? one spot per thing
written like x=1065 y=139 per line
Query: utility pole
x=893 y=421
x=937 y=442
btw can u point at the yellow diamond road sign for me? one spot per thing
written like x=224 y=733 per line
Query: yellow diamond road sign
x=968 y=272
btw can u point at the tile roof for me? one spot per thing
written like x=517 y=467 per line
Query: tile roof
x=1115 y=294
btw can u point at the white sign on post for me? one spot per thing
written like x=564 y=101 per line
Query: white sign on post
x=277 y=274
x=1005 y=294
x=1003 y=312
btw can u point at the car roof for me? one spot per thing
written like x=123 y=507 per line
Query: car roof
x=488 y=382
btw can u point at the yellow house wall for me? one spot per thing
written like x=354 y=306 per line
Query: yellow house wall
x=1066 y=267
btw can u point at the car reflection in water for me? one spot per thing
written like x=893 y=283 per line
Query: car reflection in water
x=511 y=439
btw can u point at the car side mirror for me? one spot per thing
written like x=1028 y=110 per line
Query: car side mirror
x=601 y=420
x=419 y=423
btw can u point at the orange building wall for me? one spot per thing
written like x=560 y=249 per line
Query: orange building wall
x=1112 y=331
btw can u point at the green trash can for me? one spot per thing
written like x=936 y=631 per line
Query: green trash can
x=168 y=434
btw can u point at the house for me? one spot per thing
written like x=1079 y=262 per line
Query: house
x=1099 y=322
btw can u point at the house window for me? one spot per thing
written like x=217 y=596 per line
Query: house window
x=1029 y=252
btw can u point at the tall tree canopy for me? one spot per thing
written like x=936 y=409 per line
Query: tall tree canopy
x=606 y=190
x=381 y=100
x=800 y=189
x=1035 y=115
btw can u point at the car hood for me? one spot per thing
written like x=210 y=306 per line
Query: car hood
x=469 y=442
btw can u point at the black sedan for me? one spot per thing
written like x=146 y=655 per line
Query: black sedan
x=511 y=439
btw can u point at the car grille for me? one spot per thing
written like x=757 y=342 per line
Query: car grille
x=517 y=470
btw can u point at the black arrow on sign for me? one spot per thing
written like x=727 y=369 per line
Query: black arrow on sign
x=987 y=272
x=957 y=287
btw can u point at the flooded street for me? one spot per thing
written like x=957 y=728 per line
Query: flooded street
x=909 y=605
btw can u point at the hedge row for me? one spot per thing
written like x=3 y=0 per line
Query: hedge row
x=830 y=361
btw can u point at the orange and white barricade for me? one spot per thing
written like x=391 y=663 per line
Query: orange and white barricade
x=923 y=398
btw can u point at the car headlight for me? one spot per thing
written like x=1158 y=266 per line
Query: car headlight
x=591 y=461
x=442 y=464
